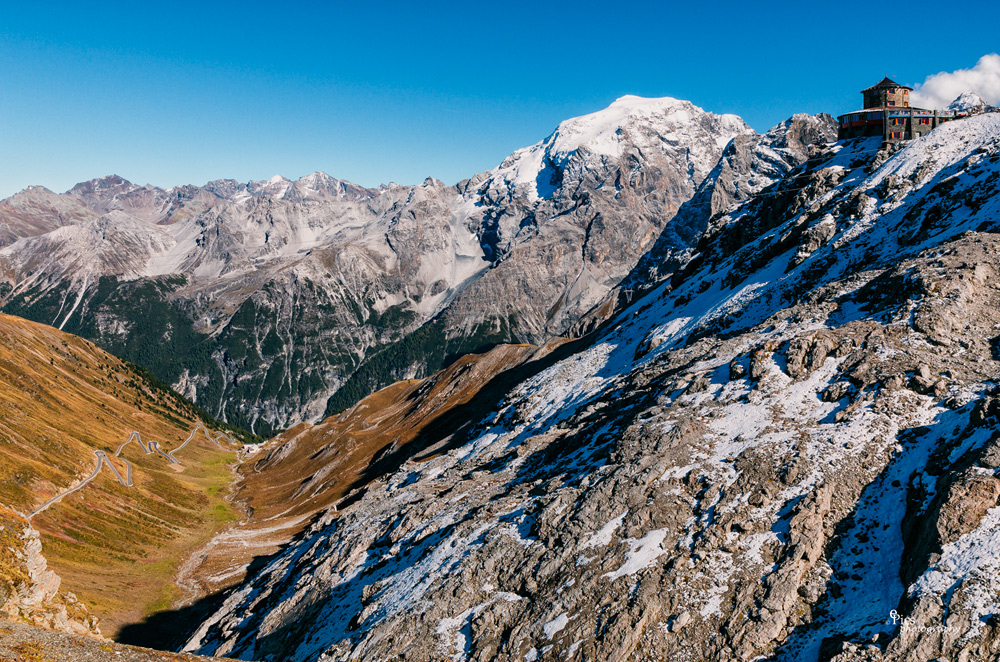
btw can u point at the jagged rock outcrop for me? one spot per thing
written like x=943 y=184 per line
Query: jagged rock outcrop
x=749 y=164
x=29 y=590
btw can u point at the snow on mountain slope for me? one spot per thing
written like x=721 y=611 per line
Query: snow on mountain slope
x=749 y=164
x=609 y=183
x=659 y=124
x=770 y=454
x=969 y=102
x=273 y=300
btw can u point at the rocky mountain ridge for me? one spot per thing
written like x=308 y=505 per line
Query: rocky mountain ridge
x=273 y=302
x=970 y=102
x=784 y=450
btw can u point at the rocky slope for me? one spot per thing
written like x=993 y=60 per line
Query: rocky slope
x=29 y=590
x=787 y=450
x=37 y=210
x=748 y=165
x=20 y=642
x=274 y=302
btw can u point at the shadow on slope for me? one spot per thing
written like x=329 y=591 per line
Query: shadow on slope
x=171 y=629
x=875 y=547
x=428 y=406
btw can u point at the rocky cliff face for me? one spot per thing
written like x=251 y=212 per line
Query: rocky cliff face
x=748 y=165
x=787 y=449
x=277 y=301
x=29 y=590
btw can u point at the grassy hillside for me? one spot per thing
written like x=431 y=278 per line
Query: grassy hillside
x=115 y=547
x=307 y=469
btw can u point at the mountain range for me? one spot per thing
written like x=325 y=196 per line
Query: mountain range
x=275 y=302
x=657 y=387
x=787 y=450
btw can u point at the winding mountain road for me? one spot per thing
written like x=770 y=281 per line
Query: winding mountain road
x=148 y=449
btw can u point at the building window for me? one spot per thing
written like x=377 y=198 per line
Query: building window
x=895 y=135
x=891 y=90
x=892 y=103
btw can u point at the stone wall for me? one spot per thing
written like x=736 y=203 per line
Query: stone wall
x=898 y=98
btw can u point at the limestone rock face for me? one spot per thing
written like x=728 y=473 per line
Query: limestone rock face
x=37 y=210
x=29 y=590
x=749 y=164
x=765 y=456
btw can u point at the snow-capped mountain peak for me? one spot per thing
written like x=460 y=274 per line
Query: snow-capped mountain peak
x=968 y=102
x=320 y=185
x=275 y=187
x=653 y=125
x=800 y=425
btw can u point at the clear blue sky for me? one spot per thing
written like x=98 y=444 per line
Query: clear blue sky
x=174 y=93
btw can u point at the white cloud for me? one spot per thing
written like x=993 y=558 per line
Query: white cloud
x=941 y=89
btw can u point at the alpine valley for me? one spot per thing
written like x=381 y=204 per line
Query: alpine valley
x=657 y=387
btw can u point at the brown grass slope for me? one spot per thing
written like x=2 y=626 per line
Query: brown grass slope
x=115 y=547
x=310 y=468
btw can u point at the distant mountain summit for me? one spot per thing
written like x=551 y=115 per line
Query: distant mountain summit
x=630 y=122
x=37 y=210
x=969 y=102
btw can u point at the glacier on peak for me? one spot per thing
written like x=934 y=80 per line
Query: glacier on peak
x=660 y=124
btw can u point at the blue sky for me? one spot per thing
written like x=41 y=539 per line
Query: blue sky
x=374 y=92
